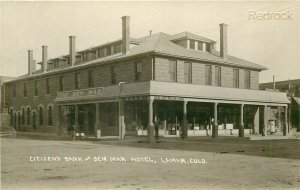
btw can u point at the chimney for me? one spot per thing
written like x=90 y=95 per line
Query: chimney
x=72 y=50
x=223 y=40
x=44 y=58
x=274 y=84
x=31 y=63
x=125 y=34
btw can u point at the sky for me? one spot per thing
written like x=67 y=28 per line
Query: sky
x=272 y=43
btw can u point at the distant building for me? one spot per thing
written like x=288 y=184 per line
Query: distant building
x=292 y=90
x=179 y=82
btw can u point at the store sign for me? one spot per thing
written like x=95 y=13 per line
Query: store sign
x=80 y=93
x=135 y=98
x=171 y=98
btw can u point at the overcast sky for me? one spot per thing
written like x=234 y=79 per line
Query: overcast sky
x=29 y=25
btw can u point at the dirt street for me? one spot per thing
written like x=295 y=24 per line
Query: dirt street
x=45 y=164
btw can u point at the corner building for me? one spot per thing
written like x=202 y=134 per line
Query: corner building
x=179 y=82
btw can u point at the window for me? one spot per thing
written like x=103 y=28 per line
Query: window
x=23 y=116
x=113 y=75
x=208 y=47
x=55 y=63
x=47 y=86
x=118 y=48
x=14 y=91
x=25 y=90
x=208 y=75
x=36 y=92
x=188 y=72
x=138 y=71
x=50 y=116
x=247 y=79
x=101 y=52
x=173 y=70
x=61 y=83
x=90 y=79
x=192 y=44
x=108 y=50
x=28 y=116
x=200 y=46
x=41 y=116
x=77 y=80
x=236 y=78
x=218 y=76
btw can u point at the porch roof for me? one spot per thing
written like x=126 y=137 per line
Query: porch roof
x=188 y=91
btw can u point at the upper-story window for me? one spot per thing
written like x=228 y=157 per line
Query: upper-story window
x=85 y=56
x=208 y=75
x=14 y=90
x=108 y=50
x=77 y=80
x=118 y=48
x=55 y=64
x=207 y=47
x=187 y=72
x=36 y=91
x=25 y=90
x=173 y=70
x=101 y=52
x=236 y=78
x=90 y=78
x=138 y=71
x=200 y=46
x=61 y=83
x=113 y=75
x=218 y=76
x=247 y=79
x=192 y=44
x=47 y=86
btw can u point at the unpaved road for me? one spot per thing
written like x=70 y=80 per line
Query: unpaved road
x=21 y=169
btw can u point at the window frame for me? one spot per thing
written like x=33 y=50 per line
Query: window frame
x=218 y=76
x=208 y=75
x=247 y=79
x=188 y=73
x=173 y=74
x=113 y=74
x=36 y=91
x=77 y=80
x=25 y=89
x=47 y=86
x=61 y=83
x=236 y=78
x=91 y=81
x=138 y=71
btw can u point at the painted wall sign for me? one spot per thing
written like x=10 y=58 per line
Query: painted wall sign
x=136 y=98
x=80 y=93
x=172 y=98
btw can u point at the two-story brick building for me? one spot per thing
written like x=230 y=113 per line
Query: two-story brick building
x=125 y=86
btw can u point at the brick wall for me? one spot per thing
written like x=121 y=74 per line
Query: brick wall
x=102 y=77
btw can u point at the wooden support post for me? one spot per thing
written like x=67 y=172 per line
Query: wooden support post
x=241 y=128
x=184 y=129
x=285 y=126
x=97 y=122
x=215 y=124
x=150 y=130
